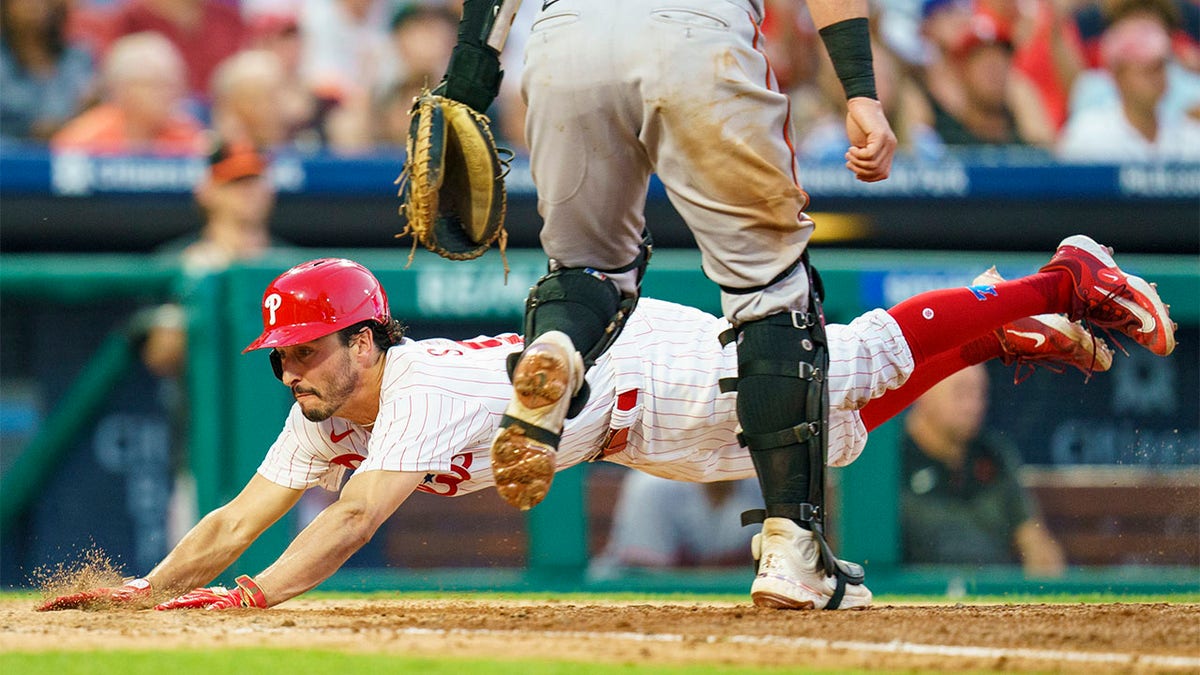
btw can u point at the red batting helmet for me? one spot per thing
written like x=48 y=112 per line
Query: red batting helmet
x=317 y=298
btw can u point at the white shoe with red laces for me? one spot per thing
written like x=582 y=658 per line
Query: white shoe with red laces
x=1048 y=340
x=1109 y=298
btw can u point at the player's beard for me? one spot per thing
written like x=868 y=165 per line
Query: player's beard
x=334 y=393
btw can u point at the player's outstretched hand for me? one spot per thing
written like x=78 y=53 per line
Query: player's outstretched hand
x=247 y=594
x=872 y=142
x=133 y=591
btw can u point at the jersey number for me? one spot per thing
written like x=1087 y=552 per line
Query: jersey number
x=458 y=465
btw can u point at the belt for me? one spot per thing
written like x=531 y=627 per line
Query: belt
x=615 y=439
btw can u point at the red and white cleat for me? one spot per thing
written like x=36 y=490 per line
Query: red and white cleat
x=1108 y=297
x=1048 y=340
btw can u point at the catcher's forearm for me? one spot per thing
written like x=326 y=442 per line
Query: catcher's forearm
x=203 y=553
x=473 y=75
x=828 y=12
x=845 y=30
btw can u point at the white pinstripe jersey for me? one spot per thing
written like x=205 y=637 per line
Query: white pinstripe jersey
x=655 y=406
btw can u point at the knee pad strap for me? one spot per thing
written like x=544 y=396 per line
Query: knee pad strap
x=581 y=302
x=808 y=344
x=586 y=305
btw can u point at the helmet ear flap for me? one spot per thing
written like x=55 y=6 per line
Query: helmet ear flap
x=277 y=364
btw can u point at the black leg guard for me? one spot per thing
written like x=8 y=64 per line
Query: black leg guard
x=585 y=304
x=580 y=302
x=781 y=400
x=783 y=407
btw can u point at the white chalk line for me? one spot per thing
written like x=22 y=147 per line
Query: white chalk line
x=893 y=647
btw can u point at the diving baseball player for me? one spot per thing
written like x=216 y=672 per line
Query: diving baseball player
x=420 y=415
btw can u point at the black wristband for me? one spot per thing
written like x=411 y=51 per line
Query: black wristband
x=849 y=45
x=473 y=76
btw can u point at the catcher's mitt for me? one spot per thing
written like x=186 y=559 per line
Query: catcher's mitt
x=452 y=185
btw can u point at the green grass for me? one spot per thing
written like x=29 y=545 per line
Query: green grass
x=319 y=662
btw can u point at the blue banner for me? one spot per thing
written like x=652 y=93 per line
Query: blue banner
x=32 y=171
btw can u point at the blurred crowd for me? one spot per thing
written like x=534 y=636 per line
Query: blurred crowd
x=1078 y=80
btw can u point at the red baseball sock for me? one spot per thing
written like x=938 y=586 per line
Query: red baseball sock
x=926 y=374
x=941 y=320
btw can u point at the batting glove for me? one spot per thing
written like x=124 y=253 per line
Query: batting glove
x=134 y=590
x=247 y=594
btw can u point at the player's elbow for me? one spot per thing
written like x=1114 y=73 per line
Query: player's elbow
x=355 y=520
x=231 y=526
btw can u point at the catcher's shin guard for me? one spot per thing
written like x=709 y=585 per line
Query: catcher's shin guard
x=783 y=407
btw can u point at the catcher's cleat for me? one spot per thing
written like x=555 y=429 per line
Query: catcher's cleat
x=549 y=373
x=1107 y=297
x=1048 y=340
x=790 y=574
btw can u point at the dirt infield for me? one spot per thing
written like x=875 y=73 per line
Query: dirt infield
x=1043 y=637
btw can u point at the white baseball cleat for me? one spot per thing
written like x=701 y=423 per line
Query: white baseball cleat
x=790 y=574
x=547 y=376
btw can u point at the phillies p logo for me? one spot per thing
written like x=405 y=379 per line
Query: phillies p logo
x=272 y=303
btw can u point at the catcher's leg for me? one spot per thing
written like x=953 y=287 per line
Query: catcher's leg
x=572 y=316
x=782 y=405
